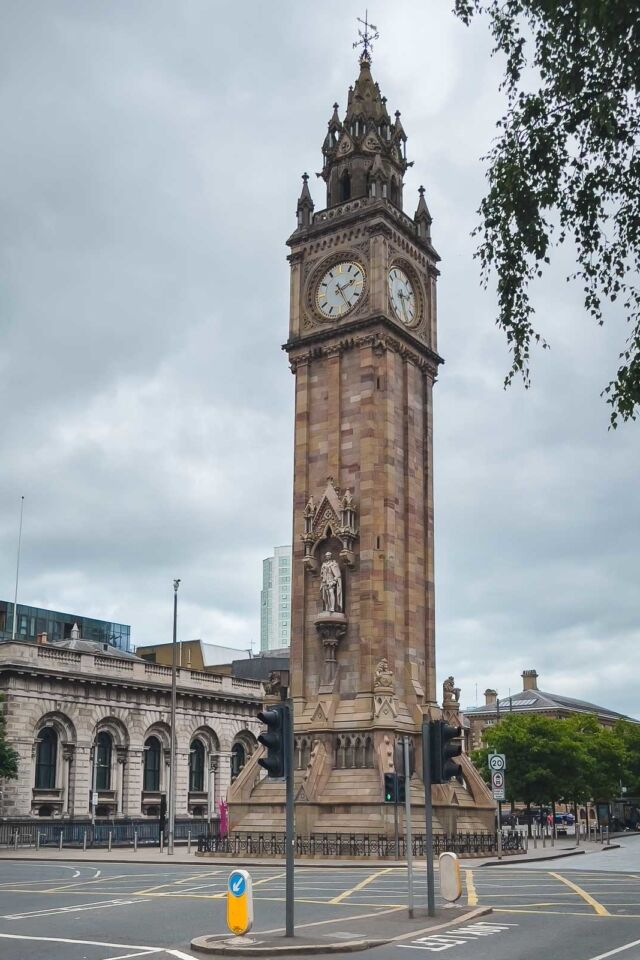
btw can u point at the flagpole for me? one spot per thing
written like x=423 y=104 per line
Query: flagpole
x=15 y=596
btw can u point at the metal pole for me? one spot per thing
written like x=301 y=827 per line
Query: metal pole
x=37 y=839
x=407 y=822
x=60 y=843
x=109 y=841
x=162 y=841
x=499 y=834
x=396 y=831
x=172 y=765
x=290 y=823
x=84 y=840
x=428 y=814
x=135 y=841
x=15 y=596
x=189 y=841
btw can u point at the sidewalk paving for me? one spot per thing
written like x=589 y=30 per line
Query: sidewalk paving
x=367 y=932
x=152 y=855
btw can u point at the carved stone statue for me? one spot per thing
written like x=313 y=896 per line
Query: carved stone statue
x=331 y=585
x=450 y=693
x=383 y=679
x=273 y=684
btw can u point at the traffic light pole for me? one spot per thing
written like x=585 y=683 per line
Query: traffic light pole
x=289 y=817
x=428 y=813
x=407 y=821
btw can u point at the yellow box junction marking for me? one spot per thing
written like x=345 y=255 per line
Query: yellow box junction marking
x=363 y=883
x=599 y=909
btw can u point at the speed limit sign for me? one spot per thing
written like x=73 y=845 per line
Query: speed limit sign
x=497 y=761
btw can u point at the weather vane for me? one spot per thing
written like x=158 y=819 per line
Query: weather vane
x=366 y=38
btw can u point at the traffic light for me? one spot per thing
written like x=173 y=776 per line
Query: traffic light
x=443 y=746
x=402 y=788
x=275 y=720
x=390 y=787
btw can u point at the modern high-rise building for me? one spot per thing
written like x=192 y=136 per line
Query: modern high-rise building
x=275 y=600
x=33 y=621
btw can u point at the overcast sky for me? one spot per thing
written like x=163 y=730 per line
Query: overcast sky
x=150 y=163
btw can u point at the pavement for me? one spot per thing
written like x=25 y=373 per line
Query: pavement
x=580 y=907
x=152 y=855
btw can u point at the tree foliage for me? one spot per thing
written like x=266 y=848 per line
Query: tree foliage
x=566 y=166
x=572 y=759
x=8 y=756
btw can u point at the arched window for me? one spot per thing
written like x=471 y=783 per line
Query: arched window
x=152 y=753
x=238 y=759
x=46 y=759
x=345 y=187
x=104 y=745
x=196 y=767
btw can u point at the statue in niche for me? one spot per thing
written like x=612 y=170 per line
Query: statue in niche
x=331 y=585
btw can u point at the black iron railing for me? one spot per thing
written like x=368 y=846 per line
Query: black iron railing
x=355 y=844
x=144 y=831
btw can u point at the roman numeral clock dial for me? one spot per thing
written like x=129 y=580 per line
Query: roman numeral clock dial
x=339 y=289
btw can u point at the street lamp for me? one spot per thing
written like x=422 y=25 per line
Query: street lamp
x=172 y=762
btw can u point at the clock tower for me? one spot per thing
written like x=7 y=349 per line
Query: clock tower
x=362 y=346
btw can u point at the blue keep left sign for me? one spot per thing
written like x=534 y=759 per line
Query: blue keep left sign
x=237 y=883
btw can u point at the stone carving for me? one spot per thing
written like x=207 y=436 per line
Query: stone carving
x=331 y=585
x=450 y=693
x=273 y=684
x=383 y=679
x=334 y=516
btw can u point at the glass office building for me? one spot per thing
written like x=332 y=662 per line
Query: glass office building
x=275 y=601
x=32 y=621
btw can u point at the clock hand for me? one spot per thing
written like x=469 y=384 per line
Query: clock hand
x=340 y=291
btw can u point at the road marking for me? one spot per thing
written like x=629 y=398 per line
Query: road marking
x=599 y=909
x=74 y=908
x=256 y=883
x=180 y=955
x=611 y=953
x=90 y=943
x=360 y=886
x=138 y=953
x=472 y=896
x=319 y=923
x=83 y=883
x=436 y=943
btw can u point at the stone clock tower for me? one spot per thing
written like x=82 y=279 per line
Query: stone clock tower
x=363 y=349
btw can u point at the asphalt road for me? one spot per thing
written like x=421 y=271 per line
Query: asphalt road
x=113 y=911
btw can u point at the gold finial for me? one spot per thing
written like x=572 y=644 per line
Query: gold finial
x=366 y=37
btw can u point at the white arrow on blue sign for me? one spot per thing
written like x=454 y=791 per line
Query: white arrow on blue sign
x=237 y=884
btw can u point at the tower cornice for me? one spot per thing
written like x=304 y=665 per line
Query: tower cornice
x=326 y=221
x=378 y=330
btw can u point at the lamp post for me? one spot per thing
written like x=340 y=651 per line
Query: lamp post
x=172 y=761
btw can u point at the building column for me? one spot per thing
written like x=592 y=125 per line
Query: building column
x=132 y=782
x=80 y=800
x=224 y=775
x=68 y=750
x=121 y=762
x=182 y=782
x=211 y=787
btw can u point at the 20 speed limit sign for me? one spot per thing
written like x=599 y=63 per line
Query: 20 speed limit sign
x=497 y=761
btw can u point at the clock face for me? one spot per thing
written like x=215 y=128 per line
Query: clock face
x=339 y=289
x=402 y=296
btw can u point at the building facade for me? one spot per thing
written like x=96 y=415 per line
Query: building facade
x=527 y=701
x=82 y=715
x=34 y=621
x=275 y=601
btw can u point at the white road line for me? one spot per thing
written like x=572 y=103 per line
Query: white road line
x=180 y=955
x=138 y=953
x=76 y=873
x=90 y=943
x=612 y=953
x=73 y=908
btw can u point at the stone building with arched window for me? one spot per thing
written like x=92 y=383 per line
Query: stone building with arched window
x=85 y=717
